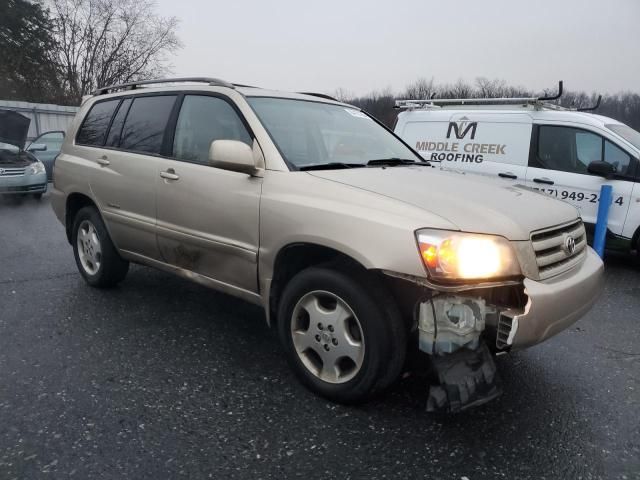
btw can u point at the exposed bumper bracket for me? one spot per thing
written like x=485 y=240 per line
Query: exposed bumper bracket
x=467 y=378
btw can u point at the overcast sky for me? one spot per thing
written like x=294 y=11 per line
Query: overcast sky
x=365 y=45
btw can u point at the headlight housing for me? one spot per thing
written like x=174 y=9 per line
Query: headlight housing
x=457 y=256
x=37 y=167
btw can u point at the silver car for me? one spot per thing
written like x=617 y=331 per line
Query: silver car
x=20 y=172
x=357 y=249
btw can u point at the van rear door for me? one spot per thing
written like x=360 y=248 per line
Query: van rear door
x=492 y=144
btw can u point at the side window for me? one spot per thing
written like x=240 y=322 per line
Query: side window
x=202 y=120
x=113 y=139
x=618 y=158
x=144 y=127
x=568 y=149
x=94 y=127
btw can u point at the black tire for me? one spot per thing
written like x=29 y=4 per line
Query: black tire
x=37 y=196
x=382 y=329
x=112 y=268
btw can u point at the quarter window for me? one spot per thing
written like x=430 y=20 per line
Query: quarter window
x=202 y=120
x=144 y=127
x=94 y=128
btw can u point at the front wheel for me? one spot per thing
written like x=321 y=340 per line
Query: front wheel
x=339 y=339
x=96 y=257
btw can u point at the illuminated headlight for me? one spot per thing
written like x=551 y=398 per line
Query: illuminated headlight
x=36 y=168
x=466 y=256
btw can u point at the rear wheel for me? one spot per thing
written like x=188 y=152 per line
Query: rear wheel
x=96 y=257
x=340 y=341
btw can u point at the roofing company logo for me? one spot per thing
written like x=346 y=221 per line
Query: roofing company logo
x=462 y=127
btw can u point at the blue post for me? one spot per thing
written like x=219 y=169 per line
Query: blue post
x=601 y=222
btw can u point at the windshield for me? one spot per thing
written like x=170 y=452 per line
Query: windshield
x=629 y=134
x=313 y=133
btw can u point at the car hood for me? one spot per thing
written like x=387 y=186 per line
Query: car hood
x=472 y=203
x=13 y=128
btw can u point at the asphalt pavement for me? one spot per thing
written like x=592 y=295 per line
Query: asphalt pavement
x=161 y=378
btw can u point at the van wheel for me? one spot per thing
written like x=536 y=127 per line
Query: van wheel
x=341 y=342
x=96 y=257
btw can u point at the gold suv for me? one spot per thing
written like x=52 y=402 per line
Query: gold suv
x=358 y=250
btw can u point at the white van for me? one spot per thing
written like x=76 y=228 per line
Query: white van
x=565 y=153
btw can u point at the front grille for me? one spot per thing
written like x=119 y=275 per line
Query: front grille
x=551 y=247
x=25 y=189
x=11 y=172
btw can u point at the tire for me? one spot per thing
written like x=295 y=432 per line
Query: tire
x=96 y=257
x=338 y=337
x=37 y=196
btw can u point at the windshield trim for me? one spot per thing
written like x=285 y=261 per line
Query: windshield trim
x=609 y=125
x=292 y=166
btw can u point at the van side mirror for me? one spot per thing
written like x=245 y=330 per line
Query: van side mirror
x=232 y=155
x=37 y=147
x=602 y=169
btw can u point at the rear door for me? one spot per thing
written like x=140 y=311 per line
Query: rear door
x=124 y=178
x=208 y=218
x=558 y=167
x=490 y=144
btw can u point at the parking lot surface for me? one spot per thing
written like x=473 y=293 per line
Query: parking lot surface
x=162 y=378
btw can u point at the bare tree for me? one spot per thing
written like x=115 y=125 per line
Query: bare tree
x=102 y=42
x=421 y=89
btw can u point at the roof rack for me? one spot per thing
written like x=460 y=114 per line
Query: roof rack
x=538 y=102
x=133 y=85
x=320 y=95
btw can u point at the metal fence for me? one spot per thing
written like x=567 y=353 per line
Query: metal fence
x=44 y=117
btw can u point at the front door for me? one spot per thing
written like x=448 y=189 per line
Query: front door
x=208 y=218
x=558 y=167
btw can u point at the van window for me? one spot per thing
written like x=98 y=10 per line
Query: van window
x=143 y=130
x=571 y=150
x=94 y=128
x=202 y=120
x=113 y=139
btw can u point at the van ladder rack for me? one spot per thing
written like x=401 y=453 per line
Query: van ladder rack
x=216 y=82
x=524 y=101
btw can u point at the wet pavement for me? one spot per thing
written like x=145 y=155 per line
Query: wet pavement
x=162 y=378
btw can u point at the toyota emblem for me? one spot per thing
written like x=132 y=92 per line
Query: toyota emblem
x=1 y=171
x=570 y=245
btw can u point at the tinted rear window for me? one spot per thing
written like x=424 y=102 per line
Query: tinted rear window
x=94 y=128
x=144 y=127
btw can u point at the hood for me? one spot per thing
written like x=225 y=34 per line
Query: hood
x=473 y=203
x=13 y=128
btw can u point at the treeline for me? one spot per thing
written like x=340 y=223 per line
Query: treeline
x=624 y=106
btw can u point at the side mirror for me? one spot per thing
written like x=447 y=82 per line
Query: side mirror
x=232 y=155
x=37 y=147
x=602 y=169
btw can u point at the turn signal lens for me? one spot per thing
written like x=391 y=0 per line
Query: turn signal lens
x=452 y=255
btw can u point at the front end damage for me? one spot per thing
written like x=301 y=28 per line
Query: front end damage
x=461 y=331
x=460 y=327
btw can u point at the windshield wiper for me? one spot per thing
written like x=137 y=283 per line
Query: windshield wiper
x=396 y=161
x=331 y=166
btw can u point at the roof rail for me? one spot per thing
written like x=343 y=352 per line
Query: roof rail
x=133 y=85
x=320 y=95
x=524 y=101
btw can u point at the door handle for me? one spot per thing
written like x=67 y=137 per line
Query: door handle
x=103 y=161
x=507 y=175
x=170 y=174
x=544 y=180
